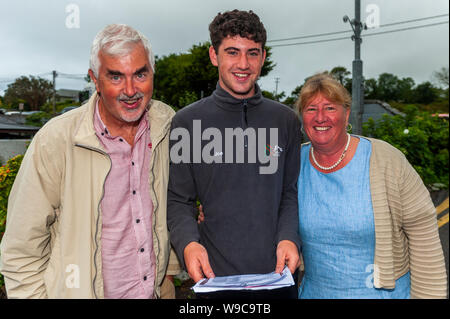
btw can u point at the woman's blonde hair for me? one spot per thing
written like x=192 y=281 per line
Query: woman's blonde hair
x=329 y=87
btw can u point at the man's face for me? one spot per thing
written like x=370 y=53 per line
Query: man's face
x=125 y=84
x=239 y=61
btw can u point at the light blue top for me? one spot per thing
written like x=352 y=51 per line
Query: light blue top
x=338 y=231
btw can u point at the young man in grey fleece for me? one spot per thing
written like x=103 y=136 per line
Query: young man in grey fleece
x=239 y=154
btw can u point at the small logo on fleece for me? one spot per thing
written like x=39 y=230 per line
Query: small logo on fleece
x=276 y=150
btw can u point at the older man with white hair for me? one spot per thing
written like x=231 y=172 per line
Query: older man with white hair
x=87 y=211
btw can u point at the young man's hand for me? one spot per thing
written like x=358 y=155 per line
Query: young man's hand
x=287 y=254
x=197 y=262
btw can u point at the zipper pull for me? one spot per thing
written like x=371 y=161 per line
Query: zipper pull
x=245 y=113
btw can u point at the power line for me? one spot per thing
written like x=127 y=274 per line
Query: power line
x=309 y=42
x=72 y=75
x=408 y=28
x=366 y=35
x=414 y=20
x=348 y=31
x=311 y=36
x=59 y=74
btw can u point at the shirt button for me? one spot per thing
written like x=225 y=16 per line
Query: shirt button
x=145 y=277
x=142 y=250
x=134 y=192
x=138 y=221
x=120 y=139
x=132 y=163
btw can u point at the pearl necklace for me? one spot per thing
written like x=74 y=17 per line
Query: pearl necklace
x=338 y=161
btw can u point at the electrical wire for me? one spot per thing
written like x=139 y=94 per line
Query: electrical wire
x=363 y=36
x=349 y=31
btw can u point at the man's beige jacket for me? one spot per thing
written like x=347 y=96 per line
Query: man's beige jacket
x=52 y=244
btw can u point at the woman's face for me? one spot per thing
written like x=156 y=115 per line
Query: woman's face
x=325 y=123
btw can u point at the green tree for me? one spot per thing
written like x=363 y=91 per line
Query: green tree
x=35 y=91
x=341 y=74
x=405 y=90
x=201 y=74
x=371 y=89
x=170 y=79
x=268 y=65
x=441 y=77
x=187 y=98
x=272 y=96
x=387 y=87
x=291 y=99
x=425 y=93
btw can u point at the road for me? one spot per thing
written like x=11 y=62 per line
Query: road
x=440 y=200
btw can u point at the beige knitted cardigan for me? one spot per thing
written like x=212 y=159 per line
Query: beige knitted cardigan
x=406 y=230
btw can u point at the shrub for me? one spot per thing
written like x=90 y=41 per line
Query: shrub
x=8 y=174
x=37 y=119
x=423 y=139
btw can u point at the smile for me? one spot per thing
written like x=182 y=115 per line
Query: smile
x=322 y=128
x=241 y=75
x=131 y=103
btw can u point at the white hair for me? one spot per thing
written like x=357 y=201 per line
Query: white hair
x=118 y=40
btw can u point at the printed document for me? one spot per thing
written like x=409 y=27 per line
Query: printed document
x=245 y=282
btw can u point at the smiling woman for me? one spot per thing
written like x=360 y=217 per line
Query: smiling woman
x=359 y=198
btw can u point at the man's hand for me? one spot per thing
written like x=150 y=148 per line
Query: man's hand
x=287 y=254
x=170 y=277
x=197 y=262
x=201 y=215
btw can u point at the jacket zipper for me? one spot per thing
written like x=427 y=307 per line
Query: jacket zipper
x=154 y=218
x=98 y=210
x=245 y=122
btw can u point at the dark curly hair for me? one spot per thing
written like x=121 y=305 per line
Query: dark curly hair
x=236 y=22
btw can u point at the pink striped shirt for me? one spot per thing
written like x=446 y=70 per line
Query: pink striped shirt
x=127 y=245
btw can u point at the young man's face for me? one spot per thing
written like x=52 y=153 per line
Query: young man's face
x=239 y=61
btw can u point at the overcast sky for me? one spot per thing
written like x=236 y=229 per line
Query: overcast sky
x=36 y=39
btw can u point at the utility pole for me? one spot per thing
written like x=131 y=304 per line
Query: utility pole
x=277 y=79
x=54 y=92
x=357 y=71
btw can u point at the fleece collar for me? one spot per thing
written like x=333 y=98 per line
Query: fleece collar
x=226 y=101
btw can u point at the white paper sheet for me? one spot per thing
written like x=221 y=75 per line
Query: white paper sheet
x=245 y=282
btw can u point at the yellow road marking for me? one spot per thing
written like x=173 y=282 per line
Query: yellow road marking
x=443 y=220
x=442 y=206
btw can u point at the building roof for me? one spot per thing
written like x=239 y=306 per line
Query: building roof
x=375 y=109
x=18 y=128
x=67 y=93
x=8 y=125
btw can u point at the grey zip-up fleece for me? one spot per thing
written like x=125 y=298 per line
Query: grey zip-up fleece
x=246 y=213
